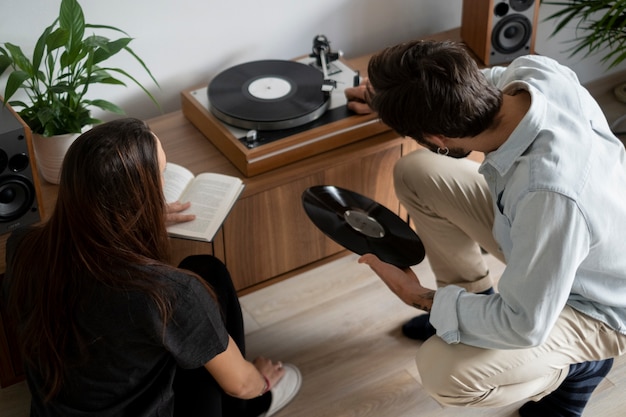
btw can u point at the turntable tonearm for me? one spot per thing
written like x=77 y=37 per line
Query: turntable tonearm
x=266 y=114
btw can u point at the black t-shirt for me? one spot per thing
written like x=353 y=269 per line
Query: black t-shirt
x=130 y=361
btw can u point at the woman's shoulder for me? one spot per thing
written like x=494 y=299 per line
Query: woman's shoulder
x=169 y=275
x=179 y=282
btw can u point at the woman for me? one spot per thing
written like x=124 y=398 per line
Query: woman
x=106 y=327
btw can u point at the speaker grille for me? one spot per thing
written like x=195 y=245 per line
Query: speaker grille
x=498 y=31
x=521 y=5
x=19 y=205
x=17 y=196
x=512 y=34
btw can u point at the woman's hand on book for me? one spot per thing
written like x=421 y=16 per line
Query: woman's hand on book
x=173 y=213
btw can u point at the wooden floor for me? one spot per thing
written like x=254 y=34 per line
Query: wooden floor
x=340 y=325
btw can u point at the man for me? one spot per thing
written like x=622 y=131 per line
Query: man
x=549 y=200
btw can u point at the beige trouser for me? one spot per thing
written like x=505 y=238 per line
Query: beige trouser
x=450 y=206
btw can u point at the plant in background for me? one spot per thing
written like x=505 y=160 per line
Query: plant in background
x=65 y=63
x=600 y=27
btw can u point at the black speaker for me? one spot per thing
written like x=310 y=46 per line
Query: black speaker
x=20 y=196
x=498 y=31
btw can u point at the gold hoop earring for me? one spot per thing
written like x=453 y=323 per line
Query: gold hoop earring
x=443 y=152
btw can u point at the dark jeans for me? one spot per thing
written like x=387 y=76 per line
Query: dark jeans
x=196 y=391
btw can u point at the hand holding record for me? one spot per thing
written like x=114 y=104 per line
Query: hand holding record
x=362 y=226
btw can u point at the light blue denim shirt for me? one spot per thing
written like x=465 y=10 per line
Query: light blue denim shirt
x=559 y=189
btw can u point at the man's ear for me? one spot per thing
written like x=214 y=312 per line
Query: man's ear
x=437 y=140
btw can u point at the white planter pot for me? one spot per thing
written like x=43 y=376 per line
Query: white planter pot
x=49 y=154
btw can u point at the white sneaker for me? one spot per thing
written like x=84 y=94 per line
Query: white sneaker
x=285 y=390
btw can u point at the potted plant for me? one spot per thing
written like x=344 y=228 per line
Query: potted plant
x=600 y=27
x=65 y=62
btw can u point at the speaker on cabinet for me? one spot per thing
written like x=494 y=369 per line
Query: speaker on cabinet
x=20 y=195
x=498 y=31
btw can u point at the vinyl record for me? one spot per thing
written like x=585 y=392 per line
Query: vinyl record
x=268 y=95
x=362 y=225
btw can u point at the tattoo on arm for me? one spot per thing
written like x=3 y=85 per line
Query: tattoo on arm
x=425 y=301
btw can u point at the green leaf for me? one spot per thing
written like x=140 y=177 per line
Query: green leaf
x=19 y=59
x=111 y=81
x=109 y=49
x=143 y=65
x=70 y=58
x=154 y=100
x=40 y=46
x=14 y=82
x=106 y=105
x=101 y=76
x=72 y=19
x=112 y=28
x=17 y=103
x=59 y=38
x=5 y=61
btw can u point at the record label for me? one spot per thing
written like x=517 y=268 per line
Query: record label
x=268 y=95
x=362 y=226
x=269 y=88
x=363 y=223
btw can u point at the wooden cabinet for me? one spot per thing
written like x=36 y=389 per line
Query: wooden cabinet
x=269 y=234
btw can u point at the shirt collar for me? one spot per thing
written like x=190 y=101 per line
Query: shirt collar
x=503 y=158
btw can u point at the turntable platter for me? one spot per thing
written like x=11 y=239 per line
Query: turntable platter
x=268 y=95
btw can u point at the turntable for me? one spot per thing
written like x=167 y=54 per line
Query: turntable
x=266 y=114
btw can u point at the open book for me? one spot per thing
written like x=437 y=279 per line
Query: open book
x=212 y=196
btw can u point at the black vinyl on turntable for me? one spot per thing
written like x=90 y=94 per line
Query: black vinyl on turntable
x=268 y=95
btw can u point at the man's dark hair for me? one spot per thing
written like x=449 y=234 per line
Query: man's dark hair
x=426 y=87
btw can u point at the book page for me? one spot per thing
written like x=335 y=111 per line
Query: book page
x=175 y=180
x=211 y=196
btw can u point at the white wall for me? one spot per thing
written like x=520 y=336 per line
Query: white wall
x=187 y=42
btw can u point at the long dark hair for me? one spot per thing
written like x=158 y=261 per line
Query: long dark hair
x=427 y=87
x=107 y=224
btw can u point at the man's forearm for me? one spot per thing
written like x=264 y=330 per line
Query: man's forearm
x=424 y=301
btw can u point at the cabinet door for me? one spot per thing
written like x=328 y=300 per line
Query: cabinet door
x=269 y=234
x=181 y=248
